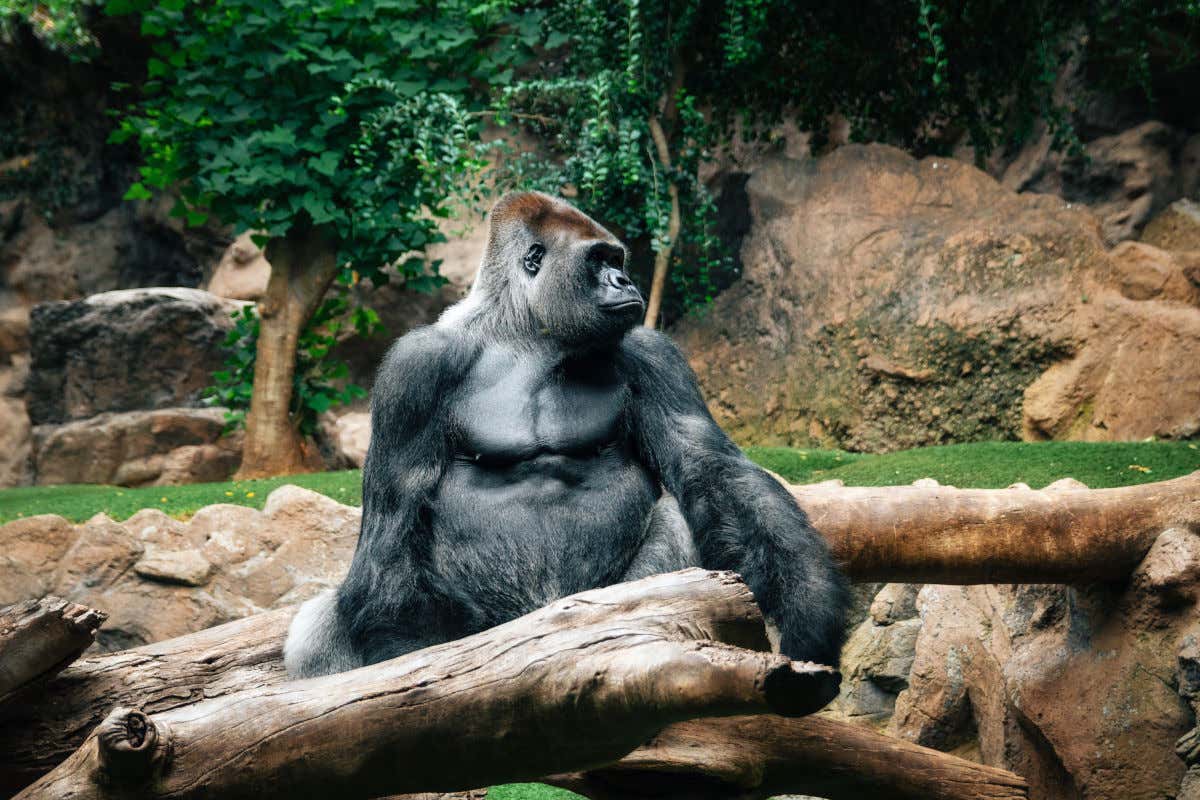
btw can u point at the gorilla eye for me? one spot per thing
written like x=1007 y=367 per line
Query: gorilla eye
x=533 y=258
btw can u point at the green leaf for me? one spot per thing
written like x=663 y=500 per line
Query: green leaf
x=326 y=164
x=137 y=192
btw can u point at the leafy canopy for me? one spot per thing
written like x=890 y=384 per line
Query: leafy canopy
x=925 y=75
x=352 y=115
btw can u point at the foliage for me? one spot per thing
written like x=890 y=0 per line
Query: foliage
x=979 y=465
x=61 y=24
x=926 y=75
x=351 y=116
x=319 y=383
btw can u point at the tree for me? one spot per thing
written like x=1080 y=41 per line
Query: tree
x=338 y=131
x=636 y=97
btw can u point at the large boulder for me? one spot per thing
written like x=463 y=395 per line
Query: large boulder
x=157 y=577
x=137 y=448
x=889 y=302
x=1078 y=690
x=125 y=350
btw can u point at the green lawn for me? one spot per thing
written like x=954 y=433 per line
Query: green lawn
x=983 y=465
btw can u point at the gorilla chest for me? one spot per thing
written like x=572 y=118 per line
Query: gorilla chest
x=516 y=407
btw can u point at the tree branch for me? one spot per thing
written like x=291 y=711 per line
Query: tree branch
x=576 y=684
x=758 y=757
x=40 y=637
x=960 y=536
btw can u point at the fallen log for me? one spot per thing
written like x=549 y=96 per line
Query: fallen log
x=940 y=534
x=42 y=730
x=577 y=684
x=40 y=637
x=759 y=757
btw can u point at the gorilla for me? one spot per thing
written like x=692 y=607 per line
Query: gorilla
x=536 y=442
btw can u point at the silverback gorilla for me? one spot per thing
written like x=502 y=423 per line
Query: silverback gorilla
x=536 y=442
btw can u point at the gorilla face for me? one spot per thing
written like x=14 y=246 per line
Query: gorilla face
x=578 y=290
x=568 y=271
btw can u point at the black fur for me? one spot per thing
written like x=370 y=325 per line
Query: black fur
x=520 y=451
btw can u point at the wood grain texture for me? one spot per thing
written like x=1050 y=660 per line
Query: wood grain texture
x=40 y=637
x=961 y=536
x=574 y=685
x=751 y=758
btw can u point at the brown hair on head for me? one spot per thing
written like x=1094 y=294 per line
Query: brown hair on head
x=544 y=214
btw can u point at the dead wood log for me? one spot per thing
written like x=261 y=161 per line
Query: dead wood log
x=577 y=684
x=945 y=535
x=40 y=637
x=749 y=758
x=39 y=732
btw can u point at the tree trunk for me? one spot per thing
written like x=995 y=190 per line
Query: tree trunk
x=662 y=258
x=659 y=123
x=40 y=637
x=941 y=534
x=303 y=264
x=577 y=684
x=758 y=757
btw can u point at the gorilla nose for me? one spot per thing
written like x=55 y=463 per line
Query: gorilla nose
x=617 y=279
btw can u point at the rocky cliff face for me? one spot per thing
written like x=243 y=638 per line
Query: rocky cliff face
x=889 y=302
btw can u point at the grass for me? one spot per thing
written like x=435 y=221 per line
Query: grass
x=983 y=465
x=991 y=465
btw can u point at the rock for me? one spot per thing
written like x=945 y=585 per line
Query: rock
x=1065 y=485
x=185 y=567
x=123 y=351
x=1133 y=376
x=161 y=447
x=242 y=272
x=932 y=305
x=857 y=310
x=1177 y=227
x=347 y=435
x=1125 y=178
x=876 y=661
x=1071 y=688
x=157 y=577
x=1172 y=567
x=894 y=603
x=1145 y=272
x=16 y=464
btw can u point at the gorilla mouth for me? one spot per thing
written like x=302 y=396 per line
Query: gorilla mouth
x=622 y=305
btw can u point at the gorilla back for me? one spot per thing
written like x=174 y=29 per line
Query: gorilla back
x=533 y=444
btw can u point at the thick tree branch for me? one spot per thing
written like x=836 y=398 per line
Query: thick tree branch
x=40 y=637
x=945 y=535
x=574 y=685
x=759 y=757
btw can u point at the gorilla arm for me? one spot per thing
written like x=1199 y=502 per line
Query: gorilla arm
x=411 y=445
x=741 y=518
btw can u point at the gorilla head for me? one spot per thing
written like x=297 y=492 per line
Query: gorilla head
x=550 y=270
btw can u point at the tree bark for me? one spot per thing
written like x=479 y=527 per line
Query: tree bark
x=659 y=123
x=961 y=536
x=758 y=757
x=574 y=685
x=40 y=637
x=662 y=258
x=303 y=264
x=46 y=727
